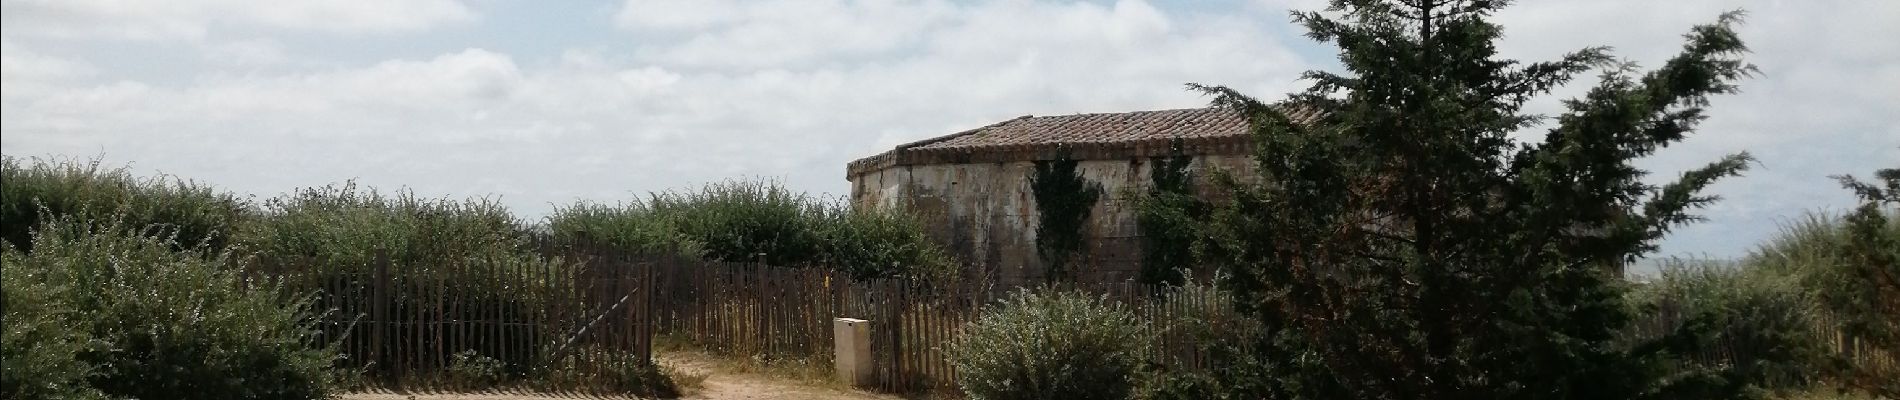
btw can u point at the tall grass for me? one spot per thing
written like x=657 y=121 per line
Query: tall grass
x=347 y=224
x=1832 y=260
x=1746 y=325
x=761 y=221
x=336 y=232
x=34 y=189
x=1771 y=320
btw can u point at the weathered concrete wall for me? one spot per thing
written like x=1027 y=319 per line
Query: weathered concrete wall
x=986 y=215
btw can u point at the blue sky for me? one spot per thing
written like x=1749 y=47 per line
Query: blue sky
x=546 y=103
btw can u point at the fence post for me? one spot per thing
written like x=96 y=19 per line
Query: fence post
x=379 y=297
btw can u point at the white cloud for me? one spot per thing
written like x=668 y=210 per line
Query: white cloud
x=719 y=89
x=246 y=53
x=23 y=66
x=191 y=19
x=778 y=33
x=597 y=125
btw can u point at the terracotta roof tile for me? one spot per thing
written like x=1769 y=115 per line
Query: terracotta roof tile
x=1032 y=137
x=1097 y=129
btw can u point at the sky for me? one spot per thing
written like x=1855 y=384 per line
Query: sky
x=542 y=104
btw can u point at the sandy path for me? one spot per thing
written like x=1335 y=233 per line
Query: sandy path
x=720 y=384
x=724 y=384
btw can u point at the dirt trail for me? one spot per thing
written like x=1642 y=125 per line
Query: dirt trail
x=726 y=384
x=720 y=384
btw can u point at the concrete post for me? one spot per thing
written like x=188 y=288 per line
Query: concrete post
x=851 y=339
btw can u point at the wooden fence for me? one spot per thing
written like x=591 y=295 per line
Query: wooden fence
x=749 y=309
x=746 y=308
x=589 y=312
x=1740 y=345
x=406 y=325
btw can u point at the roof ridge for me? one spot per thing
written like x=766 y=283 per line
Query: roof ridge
x=1126 y=112
x=966 y=132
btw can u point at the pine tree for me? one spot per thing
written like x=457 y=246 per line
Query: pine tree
x=1404 y=246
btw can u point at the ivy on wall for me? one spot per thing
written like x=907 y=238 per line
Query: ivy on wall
x=1166 y=217
x=1064 y=200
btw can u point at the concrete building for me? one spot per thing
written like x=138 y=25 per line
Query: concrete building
x=973 y=187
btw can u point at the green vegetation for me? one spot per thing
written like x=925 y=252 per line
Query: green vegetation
x=1218 y=331
x=134 y=318
x=1064 y=199
x=475 y=248
x=44 y=337
x=1051 y=344
x=1167 y=216
x=343 y=224
x=1865 y=290
x=743 y=221
x=1846 y=265
x=37 y=189
x=1768 y=322
x=1741 y=325
x=1404 y=246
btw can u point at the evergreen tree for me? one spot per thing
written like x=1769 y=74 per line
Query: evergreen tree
x=1404 y=246
x=1865 y=289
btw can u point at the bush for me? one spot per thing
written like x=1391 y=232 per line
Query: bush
x=627 y=226
x=1747 y=325
x=1210 y=322
x=470 y=370
x=195 y=213
x=470 y=246
x=1050 y=345
x=44 y=336
x=342 y=224
x=1835 y=265
x=873 y=243
x=173 y=325
x=740 y=221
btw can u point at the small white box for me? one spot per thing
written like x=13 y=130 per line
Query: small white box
x=851 y=338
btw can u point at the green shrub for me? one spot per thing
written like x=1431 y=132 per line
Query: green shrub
x=44 y=336
x=1213 y=325
x=1841 y=260
x=344 y=224
x=872 y=243
x=627 y=226
x=1050 y=345
x=475 y=247
x=196 y=213
x=1747 y=325
x=470 y=370
x=742 y=220
x=175 y=325
x=745 y=221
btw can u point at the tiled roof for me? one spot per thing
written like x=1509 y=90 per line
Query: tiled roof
x=1082 y=136
x=1098 y=128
